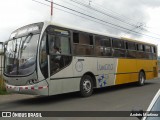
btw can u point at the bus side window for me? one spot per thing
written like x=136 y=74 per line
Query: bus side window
x=98 y=46
x=147 y=48
x=141 y=51
x=117 y=43
x=103 y=46
x=148 y=52
x=107 y=47
x=75 y=37
x=118 y=48
x=131 y=50
x=153 y=51
x=82 y=44
x=43 y=57
x=60 y=50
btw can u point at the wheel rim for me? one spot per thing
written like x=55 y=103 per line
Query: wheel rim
x=142 y=79
x=87 y=86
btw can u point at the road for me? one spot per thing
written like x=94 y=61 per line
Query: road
x=117 y=98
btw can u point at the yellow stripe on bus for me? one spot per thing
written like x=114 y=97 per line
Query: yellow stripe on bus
x=128 y=70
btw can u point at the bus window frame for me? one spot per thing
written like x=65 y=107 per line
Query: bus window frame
x=107 y=47
x=72 y=31
x=89 y=45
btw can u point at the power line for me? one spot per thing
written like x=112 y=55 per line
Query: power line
x=141 y=26
x=78 y=7
x=78 y=15
x=93 y=18
x=89 y=16
x=106 y=10
x=111 y=16
x=100 y=19
x=73 y=14
x=138 y=26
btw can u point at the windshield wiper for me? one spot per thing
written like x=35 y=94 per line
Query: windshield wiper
x=22 y=46
x=21 y=49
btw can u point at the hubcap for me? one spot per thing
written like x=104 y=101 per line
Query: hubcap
x=87 y=86
x=142 y=79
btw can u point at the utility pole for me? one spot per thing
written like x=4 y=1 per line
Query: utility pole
x=51 y=10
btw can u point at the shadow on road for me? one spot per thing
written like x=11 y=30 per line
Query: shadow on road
x=49 y=99
x=120 y=87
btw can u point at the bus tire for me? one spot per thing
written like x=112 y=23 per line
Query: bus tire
x=86 y=86
x=141 y=79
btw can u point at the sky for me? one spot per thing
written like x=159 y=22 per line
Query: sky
x=136 y=19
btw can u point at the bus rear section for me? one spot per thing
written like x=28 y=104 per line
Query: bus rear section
x=129 y=70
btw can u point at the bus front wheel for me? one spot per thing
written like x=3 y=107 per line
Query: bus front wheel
x=86 y=86
x=141 y=80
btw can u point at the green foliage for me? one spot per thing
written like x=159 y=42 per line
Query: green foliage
x=3 y=92
x=2 y=87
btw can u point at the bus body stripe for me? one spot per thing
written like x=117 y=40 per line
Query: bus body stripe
x=26 y=87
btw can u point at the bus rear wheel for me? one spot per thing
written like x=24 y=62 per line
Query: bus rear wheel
x=142 y=78
x=86 y=86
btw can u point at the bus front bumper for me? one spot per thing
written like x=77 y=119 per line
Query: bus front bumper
x=40 y=88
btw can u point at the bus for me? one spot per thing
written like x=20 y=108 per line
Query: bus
x=48 y=58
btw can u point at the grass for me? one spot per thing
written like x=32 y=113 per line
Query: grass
x=3 y=92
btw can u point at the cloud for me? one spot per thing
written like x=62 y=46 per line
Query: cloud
x=17 y=13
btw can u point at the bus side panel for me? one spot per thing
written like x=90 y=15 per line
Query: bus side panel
x=127 y=71
x=106 y=69
x=83 y=65
x=68 y=79
x=149 y=66
x=63 y=81
x=103 y=69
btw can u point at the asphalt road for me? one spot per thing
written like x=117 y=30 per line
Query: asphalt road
x=117 y=98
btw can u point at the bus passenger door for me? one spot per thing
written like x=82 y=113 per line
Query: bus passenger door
x=60 y=69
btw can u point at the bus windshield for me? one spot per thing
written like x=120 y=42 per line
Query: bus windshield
x=20 y=55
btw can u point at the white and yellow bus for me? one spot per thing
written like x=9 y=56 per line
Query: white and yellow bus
x=48 y=59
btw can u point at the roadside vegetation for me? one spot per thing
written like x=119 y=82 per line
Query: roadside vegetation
x=3 y=92
x=159 y=65
x=2 y=87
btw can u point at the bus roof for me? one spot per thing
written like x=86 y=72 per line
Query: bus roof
x=77 y=28
x=137 y=41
